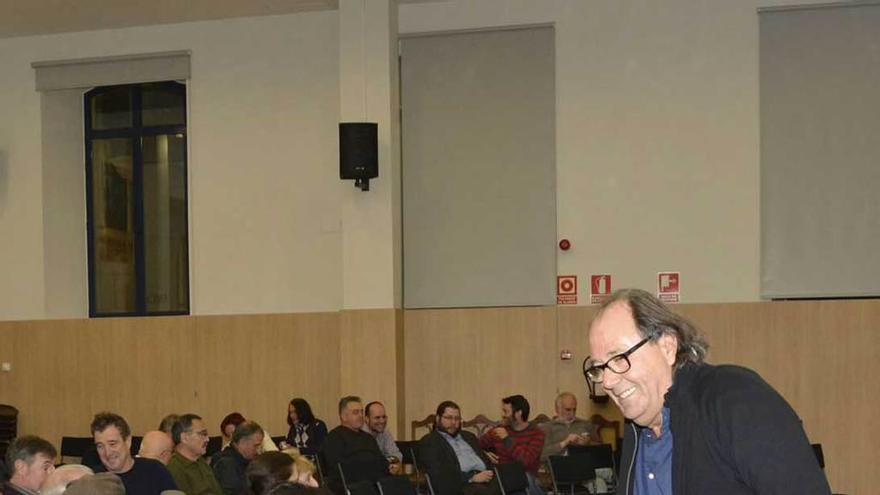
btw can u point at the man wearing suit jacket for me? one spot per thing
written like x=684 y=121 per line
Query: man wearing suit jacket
x=453 y=458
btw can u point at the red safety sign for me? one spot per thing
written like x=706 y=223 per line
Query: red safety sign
x=566 y=289
x=600 y=288
x=669 y=287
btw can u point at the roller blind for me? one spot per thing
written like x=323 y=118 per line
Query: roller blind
x=108 y=71
x=478 y=168
x=820 y=151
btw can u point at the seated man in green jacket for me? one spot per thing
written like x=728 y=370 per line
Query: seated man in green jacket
x=190 y=471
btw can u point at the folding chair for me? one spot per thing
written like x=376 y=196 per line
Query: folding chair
x=511 y=477
x=319 y=468
x=359 y=477
x=579 y=466
x=395 y=485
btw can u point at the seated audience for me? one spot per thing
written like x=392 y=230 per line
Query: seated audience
x=191 y=472
x=453 y=458
x=348 y=443
x=140 y=476
x=56 y=483
x=97 y=484
x=156 y=445
x=227 y=426
x=376 y=421
x=30 y=461
x=566 y=428
x=517 y=440
x=229 y=464
x=306 y=433
x=270 y=469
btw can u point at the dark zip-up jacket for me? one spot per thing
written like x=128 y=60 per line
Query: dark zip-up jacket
x=733 y=435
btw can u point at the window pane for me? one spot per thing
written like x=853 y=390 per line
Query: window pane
x=163 y=104
x=111 y=109
x=113 y=229
x=165 y=234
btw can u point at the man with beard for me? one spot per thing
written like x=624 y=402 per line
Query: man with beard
x=192 y=474
x=453 y=458
x=113 y=441
x=517 y=440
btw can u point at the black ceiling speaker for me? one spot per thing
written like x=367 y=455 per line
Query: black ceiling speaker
x=359 y=152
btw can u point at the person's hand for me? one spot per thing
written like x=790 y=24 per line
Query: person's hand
x=483 y=477
x=572 y=438
x=500 y=432
x=283 y=445
x=583 y=439
x=492 y=457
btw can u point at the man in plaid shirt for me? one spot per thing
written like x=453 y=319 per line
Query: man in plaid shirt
x=516 y=440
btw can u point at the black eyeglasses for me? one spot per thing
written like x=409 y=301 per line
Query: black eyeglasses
x=618 y=364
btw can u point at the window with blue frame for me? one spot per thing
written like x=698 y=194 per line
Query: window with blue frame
x=136 y=187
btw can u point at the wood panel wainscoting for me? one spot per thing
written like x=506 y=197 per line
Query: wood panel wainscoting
x=818 y=354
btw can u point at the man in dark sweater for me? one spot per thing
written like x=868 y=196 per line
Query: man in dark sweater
x=693 y=427
x=353 y=447
x=229 y=465
x=140 y=476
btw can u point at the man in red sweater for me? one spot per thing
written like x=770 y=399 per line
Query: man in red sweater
x=516 y=440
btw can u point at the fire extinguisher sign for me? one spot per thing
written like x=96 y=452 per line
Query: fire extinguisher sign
x=600 y=288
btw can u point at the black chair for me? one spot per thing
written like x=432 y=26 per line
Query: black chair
x=277 y=440
x=511 y=477
x=395 y=485
x=408 y=451
x=359 y=477
x=820 y=456
x=215 y=444
x=428 y=483
x=579 y=466
x=75 y=447
x=8 y=427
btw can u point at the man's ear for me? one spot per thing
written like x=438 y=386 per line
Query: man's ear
x=669 y=346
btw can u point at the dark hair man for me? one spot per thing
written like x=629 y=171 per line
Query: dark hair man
x=113 y=441
x=348 y=443
x=191 y=472
x=229 y=465
x=732 y=432
x=30 y=460
x=453 y=458
x=517 y=440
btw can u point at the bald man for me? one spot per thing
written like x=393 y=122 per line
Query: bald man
x=157 y=445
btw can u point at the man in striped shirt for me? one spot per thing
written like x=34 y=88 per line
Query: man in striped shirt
x=516 y=440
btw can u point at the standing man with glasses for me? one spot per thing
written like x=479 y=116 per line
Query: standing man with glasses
x=692 y=427
x=191 y=472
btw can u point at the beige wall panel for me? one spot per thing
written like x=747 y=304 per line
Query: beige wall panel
x=369 y=354
x=573 y=322
x=477 y=356
x=144 y=368
x=256 y=364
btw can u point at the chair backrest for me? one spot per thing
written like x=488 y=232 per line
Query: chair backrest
x=478 y=424
x=540 y=419
x=277 y=440
x=820 y=456
x=407 y=449
x=609 y=431
x=395 y=485
x=75 y=447
x=428 y=423
x=597 y=456
x=215 y=444
x=511 y=477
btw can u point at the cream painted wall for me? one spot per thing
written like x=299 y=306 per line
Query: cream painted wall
x=264 y=187
x=657 y=134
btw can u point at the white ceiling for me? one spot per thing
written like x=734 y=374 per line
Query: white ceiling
x=31 y=17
